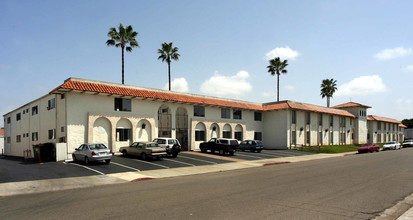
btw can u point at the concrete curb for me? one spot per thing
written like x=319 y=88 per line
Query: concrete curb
x=403 y=210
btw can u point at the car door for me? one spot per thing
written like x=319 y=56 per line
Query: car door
x=133 y=149
x=81 y=152
x=140 y=148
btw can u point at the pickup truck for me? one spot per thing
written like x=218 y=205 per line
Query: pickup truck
x=144 y=150
x=222 y=145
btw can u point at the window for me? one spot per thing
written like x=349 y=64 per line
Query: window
x=24 y=111
x=51 y=104
x=52 y=134
x=35 y=136
x=237 y=114
x=294 y=137
x=123 y=134
x=124 y=105
x=331 y=120
x=8 y=140
x=62 y=129
x=238 y=135
x=62 y=96
x=308 y=137
x=226 y=134
x=257 y=116
x=35 y=110
x=258 y=136
x=18 y=138
x=18 y=116
x=293 y=119
x=379 y=125
x=199 y=135
x=199 y=111
x=8 y=120
x=62 y=140
x=308 y=117
x=225 y=113
x=320 y=119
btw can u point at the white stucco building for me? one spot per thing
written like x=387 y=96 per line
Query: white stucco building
x=85 y=111
x=1 y=141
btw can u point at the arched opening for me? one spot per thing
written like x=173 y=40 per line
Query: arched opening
x=238 y=132
x=181 y=125
x=164 y=121
x=227 y=131
x=143 y=131
x=123 y=133
x=102 y=132
x=214 y=130
x=200 y=132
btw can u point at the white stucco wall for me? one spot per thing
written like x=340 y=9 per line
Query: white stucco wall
x=275 y=135
x=1 y=145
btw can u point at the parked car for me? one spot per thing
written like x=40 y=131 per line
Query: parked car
x=172 y=145
x=251 y=145
x=392 y=145
x=370 y=147
x=92 y=152
x=144 y=150
x=222 y=145
x=408 y=143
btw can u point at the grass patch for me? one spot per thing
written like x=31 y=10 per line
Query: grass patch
x=330 y=149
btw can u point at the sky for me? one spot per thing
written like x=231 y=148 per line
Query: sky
x=367 y=46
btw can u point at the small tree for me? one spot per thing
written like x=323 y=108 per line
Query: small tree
x=277 y=67
x=328 y=87
x=125 y=39
x=167 y=54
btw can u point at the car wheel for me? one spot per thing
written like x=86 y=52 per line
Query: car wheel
x=203 y=150
x=107 y=161
x=243 y=150
x=371 y=150
x=174 y=155
x=212 y=151
x=158 y=157
x=143 y=156
x=231 y=153
x=74 y=158
x=124 y=153
x=259 y=151
x=87 y=161
x=252 y=150
x=221 y=152
x=377 y=150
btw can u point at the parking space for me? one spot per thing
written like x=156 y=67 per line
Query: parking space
x=17 y=169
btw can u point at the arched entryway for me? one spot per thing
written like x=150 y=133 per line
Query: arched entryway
x=214 y=131
x=164 y=122
x=227 y=131
x=143 y=131
x=123 y=133
x=102 y=132
x=181 y=125
x=238 y=132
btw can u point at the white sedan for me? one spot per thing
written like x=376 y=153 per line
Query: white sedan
x=392 y=145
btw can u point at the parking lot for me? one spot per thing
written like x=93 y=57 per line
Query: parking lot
x=17 y=169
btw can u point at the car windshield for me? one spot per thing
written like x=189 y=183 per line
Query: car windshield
x=223 y=141
x=391 y=142
x=365 y=145
x=259 y=142
x=97 y=146
x=152 y=145
x=234 y=142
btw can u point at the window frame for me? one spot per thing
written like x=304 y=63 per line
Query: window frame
x=123 y=104
x=199 y=111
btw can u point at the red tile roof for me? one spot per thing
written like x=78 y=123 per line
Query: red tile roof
x=118 y=89
x=1 y=132
x=351 y=104
x=402 y=125
x=378 y=118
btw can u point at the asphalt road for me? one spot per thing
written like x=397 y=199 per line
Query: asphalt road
x=352 y=187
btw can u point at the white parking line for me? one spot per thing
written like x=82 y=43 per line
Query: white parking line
x=198 y=159
x=125 y=166
x=249 y=156
x=152 y=163
x=180 y=162
x=87 y=168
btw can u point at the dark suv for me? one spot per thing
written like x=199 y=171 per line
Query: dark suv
x=222 y=145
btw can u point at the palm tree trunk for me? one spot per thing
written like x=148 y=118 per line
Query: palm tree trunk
x=278 y=87
x=328 y=101
x=169 y=74
x=123 y=66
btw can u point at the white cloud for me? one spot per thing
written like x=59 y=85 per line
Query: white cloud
x=388 y=54
x=268 y=94
x=290 y=88
x=219 y=85
x=178 y=84
x=408 y=68
x=282 y=52
x=362 y=86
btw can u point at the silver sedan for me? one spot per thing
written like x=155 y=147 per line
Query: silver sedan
x=92 y=152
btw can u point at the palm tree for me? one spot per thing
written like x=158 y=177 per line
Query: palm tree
x=123 y=38
x=168 y=53
x=277 y=67
x=328 y=87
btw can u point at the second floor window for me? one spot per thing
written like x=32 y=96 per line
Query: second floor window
x=237 y=114
x=123 y=105
x=18 y=116
x=225 y=113
x=257 y=116
x=35 y=110
x=51 y=104
x=199 y=111
x=293 y=119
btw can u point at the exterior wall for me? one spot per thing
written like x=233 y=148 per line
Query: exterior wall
x=408 y=133
x=1 y=145
x=41 y=123
x=276 y=132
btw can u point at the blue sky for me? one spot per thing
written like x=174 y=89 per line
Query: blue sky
x=224 y=45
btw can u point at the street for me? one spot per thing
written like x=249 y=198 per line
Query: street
x=352 y=187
